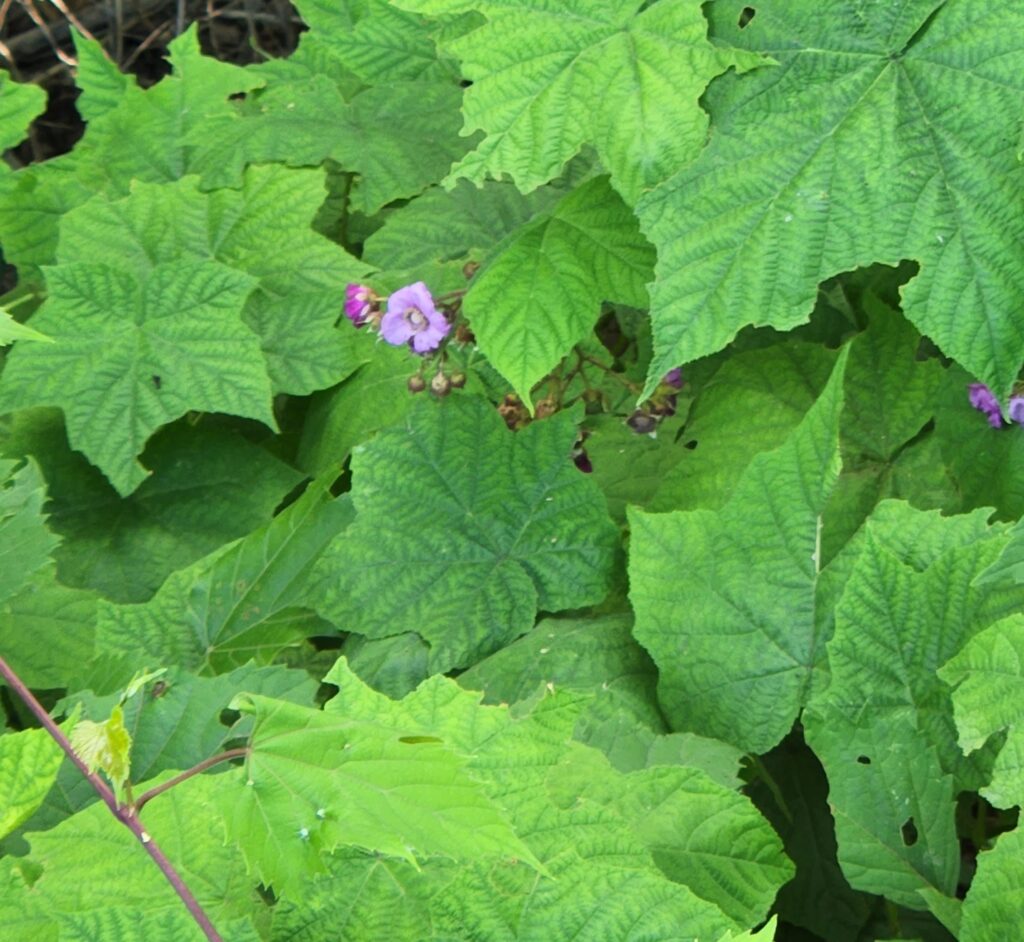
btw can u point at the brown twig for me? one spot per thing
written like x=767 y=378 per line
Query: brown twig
x=188 y=773
x=124 y=814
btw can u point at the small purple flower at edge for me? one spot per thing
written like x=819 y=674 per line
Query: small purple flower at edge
x=984 y=400
x=674 y=378
x=358 y=303
x=1015 y=410
x=412 y=318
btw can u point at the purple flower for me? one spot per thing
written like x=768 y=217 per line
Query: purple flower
x=674 y=378
x=984 y=400
x=1015 y=410
x=358 y=303
x=412 y=318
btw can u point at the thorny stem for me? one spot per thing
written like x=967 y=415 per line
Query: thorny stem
x=188 y=773
x=123 y=814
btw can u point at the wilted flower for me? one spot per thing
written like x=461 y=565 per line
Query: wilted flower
x=358 y=303
x=984 y=400
x=412 y=318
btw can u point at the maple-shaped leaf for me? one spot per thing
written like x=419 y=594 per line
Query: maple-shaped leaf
x=20 y=104
x=987 y=677
x=318 y=780
x=542 y=293
x=725 y=600
x=886 y=132
x=883 y=726
x=115 y=332
x=29 y=761
x=549 y=78
x=300 y=285
x=245 y=601
x=463 y=530
x=25 y=541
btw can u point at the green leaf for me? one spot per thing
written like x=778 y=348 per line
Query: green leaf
x=20 y=105
x=431 y=238
x=725 y=600
x=25 y=541
x=988 y=698
x=11 y=330
x=1009 y=567
x=548 y=79
x=752 y=404
x=194 y=501
x=318 y=780
x=301 y=284
x=91 y=876
x=114 y=333
x=47 y=631
x=864 y=145
x=29 y=761
x=700 y=833
x=541 y=294
x=883 y=728
x=246 y=600
x=994 y=907
x=105 y=747
x=463 y=530
x=102 y=84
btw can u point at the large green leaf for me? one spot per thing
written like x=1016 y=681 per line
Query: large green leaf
x=606 y=884
x=550 y=78
x=318 y=780
x=988 y=698
x=11 y=330
x=994 y=908
x=25 y=541
x=883 y=728
x=20 y=104
x=244 y=601
x=725 y=600
x=542 y=292
x=463 y=530
x=301 y=284
x=91 y=876
x=29 y=761
x=194 y=501
x=751 y=404
x=886 y=132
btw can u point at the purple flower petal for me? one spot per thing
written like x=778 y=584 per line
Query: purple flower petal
x=674 y=378
x=1015 y=410
x=412 y=318
x=358 y=303
x=984 y=400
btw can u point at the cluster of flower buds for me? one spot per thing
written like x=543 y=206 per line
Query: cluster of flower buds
x=644 y=421
x=984 y=400
x=579 y=454
x=411 y=317
x=440 y=384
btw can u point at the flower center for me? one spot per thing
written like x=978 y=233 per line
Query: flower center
x=416 y=318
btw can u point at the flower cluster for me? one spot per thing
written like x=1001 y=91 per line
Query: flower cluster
x=411 y=317
x=984 y=400
x=644 y=421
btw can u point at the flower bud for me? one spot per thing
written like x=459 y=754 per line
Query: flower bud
x=545 y=408
x=416 y=383
x=470 y=269
x=440 y=385
x=458 y=380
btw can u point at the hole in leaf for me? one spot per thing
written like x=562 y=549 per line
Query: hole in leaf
x=691 y=444
x=746 y=15
x=863 y=760
x=909 y=833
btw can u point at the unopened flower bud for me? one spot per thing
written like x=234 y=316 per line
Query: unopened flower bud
x=416 y=383
x=470 y=269
x=463 y=334
x=440 y=385
x=458 y=380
